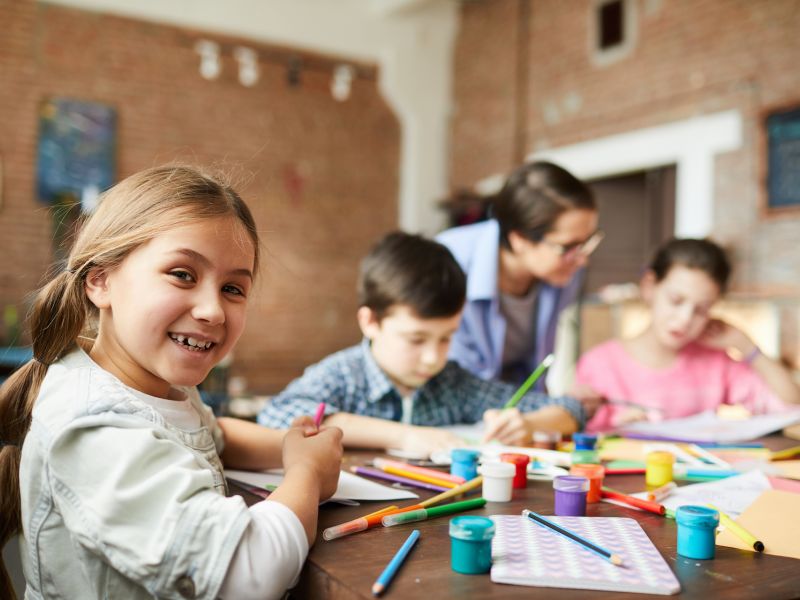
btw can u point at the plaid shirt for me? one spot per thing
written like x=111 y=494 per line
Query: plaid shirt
x=351 y=381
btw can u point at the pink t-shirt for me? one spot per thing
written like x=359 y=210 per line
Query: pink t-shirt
x=700 y=379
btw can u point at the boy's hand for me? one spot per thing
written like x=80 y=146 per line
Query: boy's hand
x=306 y=423
x=426 y=440
x=506 y=426
x=587 y=396
x=320 y=455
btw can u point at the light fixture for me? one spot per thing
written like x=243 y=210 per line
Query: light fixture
x=248 y=65
x=342 y=82
x=210 y=65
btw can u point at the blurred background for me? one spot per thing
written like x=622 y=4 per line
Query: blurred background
x=339 y=121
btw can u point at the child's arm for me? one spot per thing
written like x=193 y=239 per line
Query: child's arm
x=369 y=432
x=512 y=427
x=250 y=446
x=722 y=335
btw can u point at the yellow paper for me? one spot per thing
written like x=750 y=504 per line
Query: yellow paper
x=787 y=468
x=772 y=519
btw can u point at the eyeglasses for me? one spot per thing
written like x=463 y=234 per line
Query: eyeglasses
x=584 y=248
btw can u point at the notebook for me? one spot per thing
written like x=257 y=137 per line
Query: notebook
x=524 y=553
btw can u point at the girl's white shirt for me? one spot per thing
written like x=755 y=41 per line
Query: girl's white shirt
x=123 y=495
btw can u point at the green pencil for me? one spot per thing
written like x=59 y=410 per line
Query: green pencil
x=537 y=372
x=434 y=511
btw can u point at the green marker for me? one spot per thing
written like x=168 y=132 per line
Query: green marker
x=435 y=511
x=537 y=372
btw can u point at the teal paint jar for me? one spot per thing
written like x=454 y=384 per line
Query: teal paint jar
x=697 y=527
x=464 y=463
x=471 y=544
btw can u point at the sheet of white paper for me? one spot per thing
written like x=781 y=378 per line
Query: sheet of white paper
x=351 y=487
x=707 y=427
x=731 y=495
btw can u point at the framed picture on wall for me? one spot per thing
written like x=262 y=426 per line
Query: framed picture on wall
x=76 y=151
x=782 y=141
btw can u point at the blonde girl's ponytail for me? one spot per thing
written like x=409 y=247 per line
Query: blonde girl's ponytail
x=57 y=318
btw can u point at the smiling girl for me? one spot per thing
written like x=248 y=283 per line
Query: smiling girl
x=680 y=364
x=111 y=465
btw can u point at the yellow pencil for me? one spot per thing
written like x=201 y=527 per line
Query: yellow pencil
x=739 y=531
x=380 y=512
x=464 y=487
x=418 y=476
x=784 y=454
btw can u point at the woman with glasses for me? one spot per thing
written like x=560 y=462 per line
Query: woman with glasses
x=523 y=269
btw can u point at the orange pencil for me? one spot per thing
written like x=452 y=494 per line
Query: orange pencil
x=419 y=477
x=381 y=462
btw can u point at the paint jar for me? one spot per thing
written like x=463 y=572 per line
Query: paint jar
x=585 y=449
x=658 y=468
x=595 y=475
x=570 y=495
x=498 y=480
x=471 y=544
x=547 y=440
x=520 y=461
x=464 y=463
x=697 y=526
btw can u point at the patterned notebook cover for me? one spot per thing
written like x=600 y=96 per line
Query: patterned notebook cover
x=524 y=553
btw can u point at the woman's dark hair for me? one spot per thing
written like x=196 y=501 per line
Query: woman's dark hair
x=533 y=198
x=704 y=255
x=406 y=269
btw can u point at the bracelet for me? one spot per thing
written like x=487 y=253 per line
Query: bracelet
x=751 y=356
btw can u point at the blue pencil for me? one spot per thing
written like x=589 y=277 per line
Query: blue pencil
x=573 y=537
x=394 y=565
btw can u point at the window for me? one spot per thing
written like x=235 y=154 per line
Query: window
x=613 y=29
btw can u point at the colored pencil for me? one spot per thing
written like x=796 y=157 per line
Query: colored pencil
x=383 y=511
x=422 y=514
x=419 y=477
x=625 y=471
x=456 y=491
x=532 y=378
x=658 y=494
x=739 y=531
x=681 y=471
x=573 y=537
x=394 y=565
x=362 y=523
x=653 y=507
x=381 y=462
x=784 y=454
x=378 y=474
x=319 y=414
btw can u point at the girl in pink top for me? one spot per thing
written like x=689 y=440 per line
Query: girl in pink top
x=680 y=365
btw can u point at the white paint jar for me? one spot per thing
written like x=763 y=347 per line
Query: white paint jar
x=498 y=478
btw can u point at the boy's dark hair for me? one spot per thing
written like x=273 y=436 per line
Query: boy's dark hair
x=409 y=269
x=533 y=198
x=704 y=255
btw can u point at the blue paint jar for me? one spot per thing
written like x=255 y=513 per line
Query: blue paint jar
x=570 y=495
x=471 y=544
x=464 y=463
x=585 y=452
x=697 y=527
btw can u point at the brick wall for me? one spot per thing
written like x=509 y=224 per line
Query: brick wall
x=692 y=57
x=321 y=176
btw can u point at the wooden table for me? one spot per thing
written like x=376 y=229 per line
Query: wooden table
x=346 y=568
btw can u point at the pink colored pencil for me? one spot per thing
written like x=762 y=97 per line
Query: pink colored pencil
x=441 y=475
x=319 y=414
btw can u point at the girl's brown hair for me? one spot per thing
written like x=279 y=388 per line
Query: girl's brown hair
x=131 y=213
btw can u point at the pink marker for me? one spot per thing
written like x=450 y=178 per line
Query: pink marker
x=320 y=413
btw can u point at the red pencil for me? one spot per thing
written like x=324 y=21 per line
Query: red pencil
x=653 y=507
x=625 y=471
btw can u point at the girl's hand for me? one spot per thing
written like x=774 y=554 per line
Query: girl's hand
x=627 y=415
x=507 y=426
x=306 y=423
x=587 y=396
x=426 y=440
x=722 y=336
x=319 y=454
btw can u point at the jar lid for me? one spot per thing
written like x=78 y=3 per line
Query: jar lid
x=660 y=457
x=517 y=459
x=546 y=436
x=464 y=455
x=570 y=483
x=497 y=469
x=697 y=516
x=587 y=470
x=472 y=527
x=584 y=441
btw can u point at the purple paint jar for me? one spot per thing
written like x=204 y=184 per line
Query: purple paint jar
x=570 y=495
